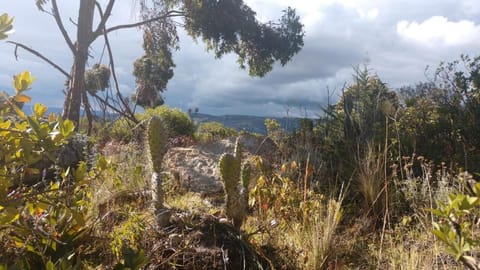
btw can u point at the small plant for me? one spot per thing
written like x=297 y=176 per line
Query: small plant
x=235 y=178
x=125 y=243
x=456 y=226
x=273 y=130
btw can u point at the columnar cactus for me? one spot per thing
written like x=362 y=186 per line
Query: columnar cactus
x=156 y=146
x=235 y=178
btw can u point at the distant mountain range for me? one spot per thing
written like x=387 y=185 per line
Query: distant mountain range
x=248 y=123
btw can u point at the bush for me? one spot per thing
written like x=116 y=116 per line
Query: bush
x=124 y=130
x=120 y=130
x=178 y=122
x=211 y=131
x=456 y=227
x=45 y=224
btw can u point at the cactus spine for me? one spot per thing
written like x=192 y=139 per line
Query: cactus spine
x=235 y=178
x=156 y=148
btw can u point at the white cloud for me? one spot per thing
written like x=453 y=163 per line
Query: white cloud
x=438 y=30
x=370 y=15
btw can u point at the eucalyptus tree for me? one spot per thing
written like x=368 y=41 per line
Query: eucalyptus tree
x=226 y=26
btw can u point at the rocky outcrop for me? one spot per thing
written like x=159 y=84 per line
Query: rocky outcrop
x=196 y=168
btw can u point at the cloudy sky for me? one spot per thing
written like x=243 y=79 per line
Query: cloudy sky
x=396 y=38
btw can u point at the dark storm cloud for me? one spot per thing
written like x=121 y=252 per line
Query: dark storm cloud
x=397 y=39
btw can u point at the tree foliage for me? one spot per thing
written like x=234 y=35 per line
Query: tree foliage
x=364 y=107
x=444 y=111
x=225 y=26
x=230 y=26
x=154 y=69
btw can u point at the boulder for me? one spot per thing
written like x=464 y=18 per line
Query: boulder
x=195 y=168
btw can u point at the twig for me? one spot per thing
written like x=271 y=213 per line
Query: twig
x=169 y=14
x=36 y=53
x=130 y=114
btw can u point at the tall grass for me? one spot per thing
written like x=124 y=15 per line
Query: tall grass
x=318 y=234
x=371 y=180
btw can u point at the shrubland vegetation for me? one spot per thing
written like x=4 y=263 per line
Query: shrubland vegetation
x=363 y=185
x=383 y=179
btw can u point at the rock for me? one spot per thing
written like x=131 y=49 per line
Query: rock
x=195 y=168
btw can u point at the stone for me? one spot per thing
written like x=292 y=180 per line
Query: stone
x=195 y=168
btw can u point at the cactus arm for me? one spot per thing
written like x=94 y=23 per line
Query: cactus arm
x=235 y=178
x=156 y=141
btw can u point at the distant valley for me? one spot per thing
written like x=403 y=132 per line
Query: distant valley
x=248 y=123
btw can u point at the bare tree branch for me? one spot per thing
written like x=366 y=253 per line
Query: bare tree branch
x=58 y=19
x=169 y=14
x=36 y=53
x=115 y=109
x=114 y=75
x=127 y=111
x=103 y=17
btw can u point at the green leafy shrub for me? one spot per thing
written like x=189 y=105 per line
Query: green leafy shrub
x=212 y=131
x=45 y=224
x=125 y=242
x=120 y=130
x=456 y=225
x=177 y=122
x=444 y=111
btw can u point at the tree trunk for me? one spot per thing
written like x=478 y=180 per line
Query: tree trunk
x=76 y=85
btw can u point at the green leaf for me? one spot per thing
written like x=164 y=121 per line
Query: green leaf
x=18 y=111
x=66 y=128
x=35 y=125
x=441 y=236
x=438 y=213
x=9 y=215
x=476 y=189
x=39 y=110
x=50 y=265
x=5 y=25
x=80 y=172
x=23 y=81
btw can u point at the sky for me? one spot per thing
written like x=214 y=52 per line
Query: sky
x=396 y=39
